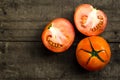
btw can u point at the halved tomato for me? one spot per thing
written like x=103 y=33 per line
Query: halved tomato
x=93 y=53
x=89 y=21
x=58 y=35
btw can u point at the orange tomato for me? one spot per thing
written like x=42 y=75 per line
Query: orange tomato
x=93 y=53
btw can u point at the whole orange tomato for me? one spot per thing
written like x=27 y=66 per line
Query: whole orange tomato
x=89 y=21
x=58 y=35
x=93 y=53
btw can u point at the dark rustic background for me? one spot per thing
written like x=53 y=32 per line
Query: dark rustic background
x=24 y=57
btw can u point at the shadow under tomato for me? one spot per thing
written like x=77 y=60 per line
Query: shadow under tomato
x=78 y=37
x=75 y=66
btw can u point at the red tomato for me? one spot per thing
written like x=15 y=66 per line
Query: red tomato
x=58 y=35
x=89 y=20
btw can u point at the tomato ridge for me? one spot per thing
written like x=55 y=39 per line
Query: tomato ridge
x=93 y=53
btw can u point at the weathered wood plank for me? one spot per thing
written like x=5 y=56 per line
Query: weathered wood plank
x=35 y=35
x=23 y=25
x=39 y=10
x=27 y=62
x=30 y=10
x=33 y=60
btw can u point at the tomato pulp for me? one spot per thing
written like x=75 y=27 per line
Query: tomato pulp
x=58 y=35
x=93 y=53
x=89 y=21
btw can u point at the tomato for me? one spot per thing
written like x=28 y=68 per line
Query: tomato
x=58 y=35
x=93 y=53
x=89 y=21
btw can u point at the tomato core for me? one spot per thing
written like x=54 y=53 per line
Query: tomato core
x=56 y=38
x=93 y=20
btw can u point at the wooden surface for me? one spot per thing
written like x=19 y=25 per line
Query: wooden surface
x=24 y=57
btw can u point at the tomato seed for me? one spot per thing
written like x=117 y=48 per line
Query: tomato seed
x=50 y=42
x=100 y=17
x=57 y=45
x=53 y=44
x=83 y=20
x=99 y=25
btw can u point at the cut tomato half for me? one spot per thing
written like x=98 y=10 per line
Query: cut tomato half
x=58 y=35
x=89 y=21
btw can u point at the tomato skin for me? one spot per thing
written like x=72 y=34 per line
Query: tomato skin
x=92 y=61
x=85 y=10
x=65 y=28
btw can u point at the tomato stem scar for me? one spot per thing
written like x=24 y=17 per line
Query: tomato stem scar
x=93 y=53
